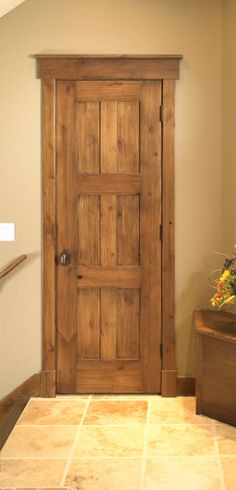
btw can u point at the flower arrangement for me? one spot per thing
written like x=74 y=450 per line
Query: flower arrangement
x=225 y=284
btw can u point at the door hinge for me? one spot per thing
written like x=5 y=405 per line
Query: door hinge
x=162 y=113
x=161 y=350
x=161 y=232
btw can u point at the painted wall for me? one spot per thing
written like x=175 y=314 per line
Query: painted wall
x=229 y=125
x=192 y=28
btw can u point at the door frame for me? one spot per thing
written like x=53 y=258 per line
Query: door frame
x=108 y=67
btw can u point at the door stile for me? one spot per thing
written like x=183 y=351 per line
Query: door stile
x=151 y=248
x=66 y=239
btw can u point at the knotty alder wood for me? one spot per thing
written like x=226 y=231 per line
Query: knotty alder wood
x=115 y=272
x=67 y=211
x=96 y=152
x=49 y=226
x=168 y=249
x=109 y=68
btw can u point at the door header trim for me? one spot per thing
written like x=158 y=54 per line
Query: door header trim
x=108 y=67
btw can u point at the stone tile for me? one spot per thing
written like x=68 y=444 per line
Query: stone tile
x=180 y=440
x=31 y=473
x=226 y=438
x=110 y=441
x=181 y=473
x=52 y=412
x=104 y=474
x=179 y=410
x=39 y=442
x=228 y=464
x=116 y=413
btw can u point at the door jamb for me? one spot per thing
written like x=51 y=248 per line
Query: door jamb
x=51 y=68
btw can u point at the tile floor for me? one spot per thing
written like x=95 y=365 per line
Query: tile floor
x=118 y=443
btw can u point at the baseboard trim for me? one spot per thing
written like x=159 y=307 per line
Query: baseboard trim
x=186 y=386
x=14 y=403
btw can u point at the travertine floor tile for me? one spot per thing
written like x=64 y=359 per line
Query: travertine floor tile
x=110 y=441
x=104 y=474
x=39 y=442
x=53 y=412
x=181 y=473
x=180 y=440
x=226 y=438
x=179 y=410
x=116 y=413
x=31 y=473
x=229 y=470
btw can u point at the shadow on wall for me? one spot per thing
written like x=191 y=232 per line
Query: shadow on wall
x=195 y=295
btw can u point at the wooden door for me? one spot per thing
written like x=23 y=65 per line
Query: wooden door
x=108 y=140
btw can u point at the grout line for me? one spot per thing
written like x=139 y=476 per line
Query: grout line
x=187 y=424
x=69 y=460
x=35 y=426
x=159 y=456
x=143 y=467
x=222 y=480
x=54 y=400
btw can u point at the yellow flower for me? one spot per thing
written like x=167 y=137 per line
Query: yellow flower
x=224 y=275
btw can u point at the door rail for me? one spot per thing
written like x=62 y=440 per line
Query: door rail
x=12 y=265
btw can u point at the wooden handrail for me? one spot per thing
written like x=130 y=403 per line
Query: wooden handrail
x=12 y=265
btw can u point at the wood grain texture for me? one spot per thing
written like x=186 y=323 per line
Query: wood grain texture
x=216 y=365
x=89 y=250
x=67 y=206
x=108 y=92
x=48 y=383
x=128 y=137
x=49 y=224
x=108 y=230
x=12 y=405
x=150 y=245
x=108 y=184
x=108 y=324
x=108 y=67
x=87 y=137
x=109 y=377
x=168 y=248
x=114 y=277
x=79 y=67
x=89 y=316
x=10 y=267
x=128 y=225
x=108 y=136
x=128 y=327
x=168 y=383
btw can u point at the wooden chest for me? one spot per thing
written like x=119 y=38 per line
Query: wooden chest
x=216 y=365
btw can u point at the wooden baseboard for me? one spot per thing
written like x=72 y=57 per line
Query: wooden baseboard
x=186 y=386
x=14 y=403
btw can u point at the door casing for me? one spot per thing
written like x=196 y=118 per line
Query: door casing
x=108 y=67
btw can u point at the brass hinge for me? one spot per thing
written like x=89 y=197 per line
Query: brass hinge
x=161 y=350
x=162 y=113
x=161 y=232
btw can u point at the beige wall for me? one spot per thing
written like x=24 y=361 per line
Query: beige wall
x=229 y=125
x=190 y=27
